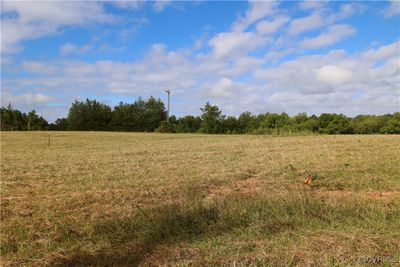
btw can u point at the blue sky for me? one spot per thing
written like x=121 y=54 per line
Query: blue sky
x=258 y=56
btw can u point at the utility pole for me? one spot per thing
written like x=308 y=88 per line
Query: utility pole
x=168 y=92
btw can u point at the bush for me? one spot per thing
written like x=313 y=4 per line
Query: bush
x=166 y=128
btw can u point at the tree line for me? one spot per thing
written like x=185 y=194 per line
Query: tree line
x=149 y=115
x=15 y=120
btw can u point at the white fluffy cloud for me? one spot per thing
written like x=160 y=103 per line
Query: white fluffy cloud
x=308 y=23
x=257 y=11
x=333 y=75
x=223 y=88
x=127 y=4
x=22 y=99
x=383 y=52
x=322 y=16
x=38 y=67
x=331 y=82
x=258 y=64
x=271 y=26
x=393 y=9
x=235 y=44
x=44 y=18
x=160 y=5
x=336 y=82
x=332 y=35
x=69 y=48
x=240 y=41
x=311 y=5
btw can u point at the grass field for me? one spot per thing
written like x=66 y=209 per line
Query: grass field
x=126 y=199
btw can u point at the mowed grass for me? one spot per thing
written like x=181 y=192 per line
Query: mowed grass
x=127 y=199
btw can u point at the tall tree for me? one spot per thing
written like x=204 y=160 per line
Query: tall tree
x=35 y=122
x=123 y=118
x=245 y=122
x=59 y=125
x=211 y=119
x=155 y=113
x=231 y=125
x=14 y=120
x=89 y=115
x=392 y=125
x=141 y=116
x=188 y=124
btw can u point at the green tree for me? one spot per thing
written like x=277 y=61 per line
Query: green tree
x=283 y=121
x=245 y=122
x=155 y=113
x=340 y=124
x=141 y=116
x=14 y=120
x=268 y=120
x=123 y=118
x=230 y=125
x=89 y=115
x=7 y=118
x=188 y=124
x=35 y=122
x=211 y=119
x=300 y=118
x=60 y=124
x=323 y=122
x=311 y=124
x=392 y=125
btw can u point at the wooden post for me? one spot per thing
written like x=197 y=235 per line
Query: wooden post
x=168 y=92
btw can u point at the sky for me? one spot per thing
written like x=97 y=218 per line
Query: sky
x=257 y=56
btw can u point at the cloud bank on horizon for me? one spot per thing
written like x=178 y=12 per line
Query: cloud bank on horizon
x=258 y=56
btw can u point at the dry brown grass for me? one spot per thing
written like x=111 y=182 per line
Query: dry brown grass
x=153 y=199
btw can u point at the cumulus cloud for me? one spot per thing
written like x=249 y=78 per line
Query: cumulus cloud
x=160 y=5
x=70 y=48
x=331 y=82
x=245 y=64
x=38 y=67
x=346 y=10
x=271 y=26
x=45 y=18
x=239 y=41
x=332 y=35
x=322 y=17
x=37 y=101
x=304 y=24
x=393 y=9
x=239 y=70
x=334 y=82
x=311 y=5
x=109 y=49
x=257 y=11
x=223 y=88
x=235 y=44
x=127 y=4
x=333 y=75
x=23 y=99
x=383 y=52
